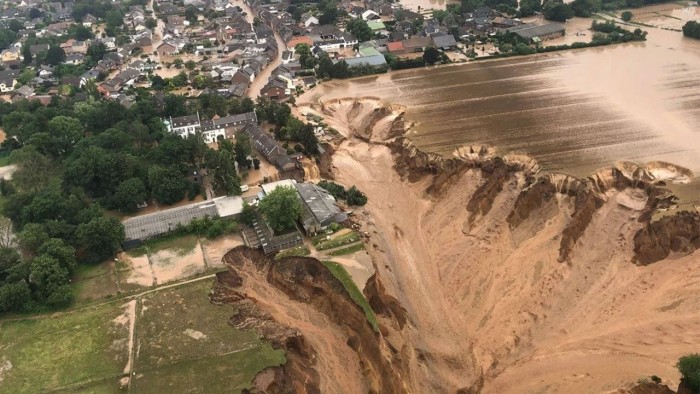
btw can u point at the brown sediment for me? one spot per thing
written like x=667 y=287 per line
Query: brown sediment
x=305 y=311
x=468 y=289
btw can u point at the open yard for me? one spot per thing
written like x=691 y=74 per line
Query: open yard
x=167 y=340
x=185 y=341
x=49 y=353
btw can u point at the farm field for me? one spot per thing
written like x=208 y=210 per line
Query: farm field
x=164 y=339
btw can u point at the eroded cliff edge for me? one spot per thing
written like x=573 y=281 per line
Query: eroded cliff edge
x=299 y=306
x=471 y=291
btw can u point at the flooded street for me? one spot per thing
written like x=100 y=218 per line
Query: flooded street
x=574 y=111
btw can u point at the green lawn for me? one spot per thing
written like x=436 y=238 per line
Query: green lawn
x=230 y=373
x=297 y=251
x=185 y=339
x=92 y=282
x=344 y=239
x=342 y=275
x=350 y=249
x=49 y=353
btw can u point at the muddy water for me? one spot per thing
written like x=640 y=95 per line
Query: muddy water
x=574 y=111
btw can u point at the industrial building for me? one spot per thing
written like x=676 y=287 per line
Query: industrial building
x=140 y=228
x=535 y=33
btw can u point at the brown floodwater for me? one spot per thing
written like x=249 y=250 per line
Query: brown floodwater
x=574 y=111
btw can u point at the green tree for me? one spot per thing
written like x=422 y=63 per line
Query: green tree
x=26 y=54
x=14 y=296
x=692 y=29
x=243 y=148
x=191 y=15
x=114 y=18
x=330 y=14
x=223 y=173
x=247 y=214
x=585 y=8
x=55 y=55
x=65 y=133
x=47 y=275
x=15 y=25
x=26 y=76
x=130 y=194
x=627 y=16
x=167 y=184
x=180 y=79
x=359 y=28
x=356 y=197
x=281 y=208
x=529 y=7
x=151 y=23
x=59 y=250
x=96 y=51
x=190 y=65
x=556 y=10
x=431 y=56
x=178 y=63
x=689 y=368
x=100 y=238
x=32 y=236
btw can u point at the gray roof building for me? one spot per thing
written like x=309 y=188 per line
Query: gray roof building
x=319 y=208
x=143 y=227
x=528 y=31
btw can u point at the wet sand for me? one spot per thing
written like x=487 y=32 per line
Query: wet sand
x=574 y=111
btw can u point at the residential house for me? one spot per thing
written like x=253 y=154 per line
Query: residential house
x=370 y=15
x=89 y=20
x=75 y=59
x=8 y=80
x=396 y=48
x=296 y=40
x=505 y=23
x=368 y=56
x=38 y=48
x=308 y=20
x=443 y=41
x=11 y=55
x=167 y=49
x=276 y=89
x=417 y=44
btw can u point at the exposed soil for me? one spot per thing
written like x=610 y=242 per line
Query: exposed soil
x=299 y=306
x=511 y=278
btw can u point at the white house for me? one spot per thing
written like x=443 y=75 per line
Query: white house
x=309 y=20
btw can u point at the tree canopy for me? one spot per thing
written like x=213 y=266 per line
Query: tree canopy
x=281 y=208
x=689 y=368
x=359 y=28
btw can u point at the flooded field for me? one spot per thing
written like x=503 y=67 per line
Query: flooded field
x=574 y=111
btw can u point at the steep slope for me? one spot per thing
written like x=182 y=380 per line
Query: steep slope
x=514 y=281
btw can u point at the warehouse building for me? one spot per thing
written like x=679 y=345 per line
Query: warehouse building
x=140 y=228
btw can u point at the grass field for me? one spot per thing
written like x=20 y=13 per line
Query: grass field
x=183 y=343
x=49 y=353
x=342 y=275
x=184 y=338
x=340 y=240
x=297 y=251
x=350 y=249
x=92 y=282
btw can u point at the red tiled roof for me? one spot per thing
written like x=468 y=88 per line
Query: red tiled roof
x=395 y=46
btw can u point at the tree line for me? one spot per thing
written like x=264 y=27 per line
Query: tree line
x=74 y=162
